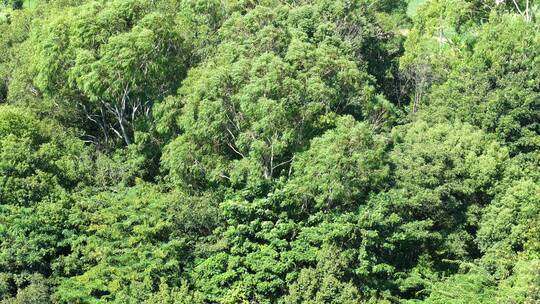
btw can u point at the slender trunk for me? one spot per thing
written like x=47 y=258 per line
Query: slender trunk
x=418 y=95
x=125 y=132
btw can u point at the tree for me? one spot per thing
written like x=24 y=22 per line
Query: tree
x=496 y=86
x=439 y=37
x=508 y=229
x=340 y=169
x=323 y=284
x=128 y=243
x=273 y=84
x=40 y=164
x=112 y=63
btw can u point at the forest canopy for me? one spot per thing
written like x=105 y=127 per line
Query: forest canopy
x=269 y=151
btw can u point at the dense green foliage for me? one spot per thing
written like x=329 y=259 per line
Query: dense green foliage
x=269 y=151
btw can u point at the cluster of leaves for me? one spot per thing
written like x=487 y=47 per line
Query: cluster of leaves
x=269 y=151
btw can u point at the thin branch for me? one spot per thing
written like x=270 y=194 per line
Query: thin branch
x=517 y=6
x=236 y=151
x=231 y=133
x=283 y=163
x=272 y=158
x=224 y=176
x=290 y=167
x=527 y=12
x=115 y=131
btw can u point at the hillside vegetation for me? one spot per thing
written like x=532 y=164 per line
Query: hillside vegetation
x=269 y=151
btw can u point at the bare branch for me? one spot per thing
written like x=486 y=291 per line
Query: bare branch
x=224 y=176
x=236 y=151
x=283 y=163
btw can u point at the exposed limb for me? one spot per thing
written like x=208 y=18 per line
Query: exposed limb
x=115 y=131
x=235 y=150
x=231 y=133
x=224 y=176
x=271 y=158
x=525 y=14
x=98 y=120
x=91 y=139
x=122 y=119
x=290 y=167
x=517 y=6
x=134 y=111
x=104 y=125
x=283 y=163
x=119 y=111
